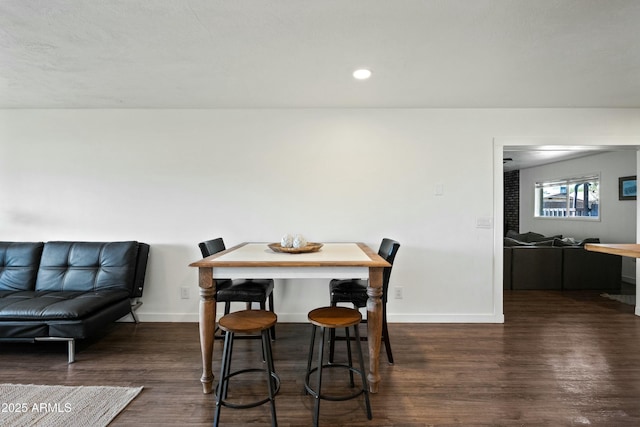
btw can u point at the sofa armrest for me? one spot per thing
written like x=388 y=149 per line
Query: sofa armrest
x=141 y=269
x=506 y=268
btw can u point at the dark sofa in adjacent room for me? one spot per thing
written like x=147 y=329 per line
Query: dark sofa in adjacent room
x=534 y=261
x=63 y=291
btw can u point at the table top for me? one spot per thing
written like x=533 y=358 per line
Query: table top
x=624 y=249
x=260 y=255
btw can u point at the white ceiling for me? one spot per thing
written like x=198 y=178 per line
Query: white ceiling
x=300 y=53
x=528 y=158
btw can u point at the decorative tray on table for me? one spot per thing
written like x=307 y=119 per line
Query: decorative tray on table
x=310 y=247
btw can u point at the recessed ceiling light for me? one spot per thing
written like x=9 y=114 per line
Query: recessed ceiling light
x=362 y=74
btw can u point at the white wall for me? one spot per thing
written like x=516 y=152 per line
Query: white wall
x=618 y=218
x=172 y=178
x=617 y=222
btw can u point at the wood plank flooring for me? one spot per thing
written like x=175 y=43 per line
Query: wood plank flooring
x=560 y=359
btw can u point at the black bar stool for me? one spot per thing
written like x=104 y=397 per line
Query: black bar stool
x=331 y=318
x=247 y=322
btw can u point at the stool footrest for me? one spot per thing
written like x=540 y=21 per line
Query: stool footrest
x=228 y=404
x=333 y=398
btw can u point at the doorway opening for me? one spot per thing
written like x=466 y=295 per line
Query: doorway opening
x=516 y=159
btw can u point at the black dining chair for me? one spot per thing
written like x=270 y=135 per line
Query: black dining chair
x=354 y=291
x=240 y=290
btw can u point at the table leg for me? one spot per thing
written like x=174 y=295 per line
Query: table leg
x=207 y=326
x=374 y=326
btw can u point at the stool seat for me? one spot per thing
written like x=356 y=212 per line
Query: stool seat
x=248 y=321
x=334 y=317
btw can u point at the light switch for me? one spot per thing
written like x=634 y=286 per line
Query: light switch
x=439 y=189
x=484 y=222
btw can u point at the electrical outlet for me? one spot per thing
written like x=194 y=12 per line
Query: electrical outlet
x=398 y=292
x=184 y=293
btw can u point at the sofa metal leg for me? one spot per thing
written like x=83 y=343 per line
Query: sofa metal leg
x=134 y=315
x=135 y=304
x=72 y=351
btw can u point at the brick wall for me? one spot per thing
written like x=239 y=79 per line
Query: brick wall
x=512 y=201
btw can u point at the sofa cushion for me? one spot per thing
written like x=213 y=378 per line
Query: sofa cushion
x=87 y=266
x=19 y=265
x=569 y=241
x=508 y=242
x=522 y=237
x=47 y=305
x=589 y=240
x=534 y=237
x=530 y=236
x=563 y=242
x=543 y=243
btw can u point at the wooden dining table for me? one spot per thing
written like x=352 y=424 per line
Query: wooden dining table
x=350 y=260
x=624 y=249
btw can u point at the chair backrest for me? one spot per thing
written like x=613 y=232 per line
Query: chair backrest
x=211 y=247
x=388 y=250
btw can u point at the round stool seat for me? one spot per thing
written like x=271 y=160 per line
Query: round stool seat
x=335 y=317
x=248 y=321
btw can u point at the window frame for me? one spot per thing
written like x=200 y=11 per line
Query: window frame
x=568 y=181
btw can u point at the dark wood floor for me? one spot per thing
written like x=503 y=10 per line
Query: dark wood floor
x=569 y=359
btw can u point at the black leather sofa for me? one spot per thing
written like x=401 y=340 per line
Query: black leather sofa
x=64 y=291
x=554 y=265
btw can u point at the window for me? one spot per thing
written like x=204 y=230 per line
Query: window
x=568 y=198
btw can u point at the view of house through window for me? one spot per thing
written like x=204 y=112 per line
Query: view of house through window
x=568 y=198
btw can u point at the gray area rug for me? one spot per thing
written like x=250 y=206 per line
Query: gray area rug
x=626 y=299
x=62 y=406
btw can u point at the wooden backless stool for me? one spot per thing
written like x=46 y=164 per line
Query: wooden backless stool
x=247 y=322
x=330 y=318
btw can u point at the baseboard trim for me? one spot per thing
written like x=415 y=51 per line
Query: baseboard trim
x=629 y=279
x=302 y=318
